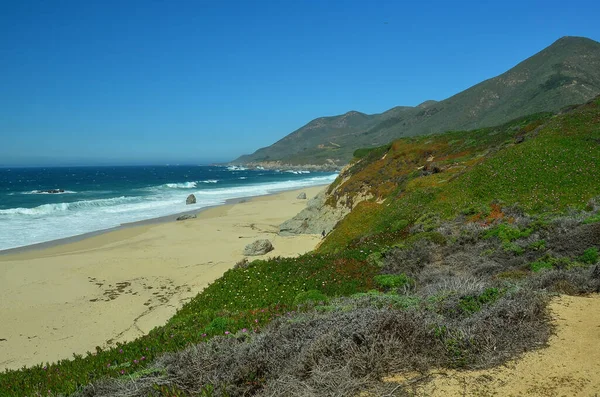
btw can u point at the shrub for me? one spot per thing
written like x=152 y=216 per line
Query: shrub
x=218 y=325
x=592 y=219
x=507 y=233
x=340 y=352
x=241 y=264
x=581 y=280
x=376 y=258
x=537 y=245
x=590 y=256
x=310 y=296
x=512 y=275
x=539 y=265
x=389 y=281
x=398 y=225
x=472 y=304
x=514 y=248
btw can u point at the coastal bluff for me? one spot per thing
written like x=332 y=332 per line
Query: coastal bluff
x=325 y=210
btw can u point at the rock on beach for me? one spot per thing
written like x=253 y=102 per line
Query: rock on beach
x=191 y=199
x=259 y=247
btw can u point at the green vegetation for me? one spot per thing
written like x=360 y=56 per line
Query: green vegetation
x=537 y=245
x=390 y=281
x=476 y=174
x=377 y=151
x=541 y=264
x=590 y=256
x=312 y=295
x=473 y=303
x=507 y=233
x=592 y=219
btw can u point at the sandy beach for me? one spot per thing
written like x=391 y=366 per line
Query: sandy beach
x=116 y=286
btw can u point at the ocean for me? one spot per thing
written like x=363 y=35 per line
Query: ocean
x=91 y=199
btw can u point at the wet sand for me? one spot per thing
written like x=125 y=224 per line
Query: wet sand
x=68 y=298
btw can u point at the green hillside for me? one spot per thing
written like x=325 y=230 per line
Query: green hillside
x=542 y=163
x=565 y=73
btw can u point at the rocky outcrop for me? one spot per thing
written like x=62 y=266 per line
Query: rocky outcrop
x=316 y=218
x=301 y=196
x=191 y=199
x=259 y=247
x=186 y=216
x=49 y=191
x=329 y=166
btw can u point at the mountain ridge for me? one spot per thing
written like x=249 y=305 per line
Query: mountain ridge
x=565 y=73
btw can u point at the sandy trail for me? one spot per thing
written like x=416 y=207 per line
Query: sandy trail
x=119 y=285
x=569 y=366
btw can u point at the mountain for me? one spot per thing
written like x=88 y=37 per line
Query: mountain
x=565 y=73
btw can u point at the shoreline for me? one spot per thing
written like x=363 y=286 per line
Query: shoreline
x=119 y=284
x=143 y=222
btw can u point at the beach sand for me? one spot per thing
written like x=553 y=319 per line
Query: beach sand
x=116 y=286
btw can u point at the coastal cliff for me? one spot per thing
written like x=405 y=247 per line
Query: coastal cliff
x=326 y=209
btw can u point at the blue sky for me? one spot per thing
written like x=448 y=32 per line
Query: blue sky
x=153 y=82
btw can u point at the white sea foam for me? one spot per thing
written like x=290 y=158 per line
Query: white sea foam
x=184 y=185
x=26 y=226
x=236 y=168
x=298 y=172
x=49 y=209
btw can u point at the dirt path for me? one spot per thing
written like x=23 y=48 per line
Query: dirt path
x=569 y=366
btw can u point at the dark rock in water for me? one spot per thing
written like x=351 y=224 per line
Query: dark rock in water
x=259 y=247
x=186 y=216
x=50 y=191
x=302 y=196
x=191 y=199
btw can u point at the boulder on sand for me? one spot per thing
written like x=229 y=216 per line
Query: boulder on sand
x=259 y=247
x=191 y=199
x=185 y=216
x=302 y=196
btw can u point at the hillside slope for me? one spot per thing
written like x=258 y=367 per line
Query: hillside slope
x=541 y=163
x=567 y=72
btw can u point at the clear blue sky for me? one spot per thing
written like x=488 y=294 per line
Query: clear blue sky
x=119 y=82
